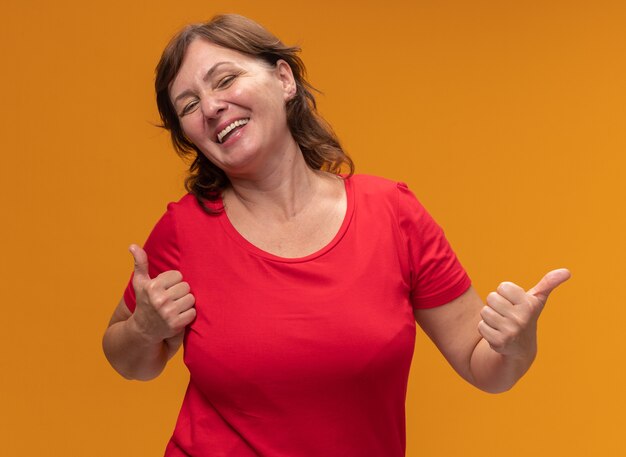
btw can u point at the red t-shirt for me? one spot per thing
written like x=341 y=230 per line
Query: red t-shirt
x=305 y=357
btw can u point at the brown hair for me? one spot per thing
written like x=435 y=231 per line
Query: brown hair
x=318 y=143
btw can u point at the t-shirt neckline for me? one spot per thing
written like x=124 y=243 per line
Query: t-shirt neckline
x=232 y=232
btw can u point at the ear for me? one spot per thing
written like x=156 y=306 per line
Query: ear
x=284 y=73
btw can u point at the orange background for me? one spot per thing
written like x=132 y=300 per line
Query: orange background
x=506 y=118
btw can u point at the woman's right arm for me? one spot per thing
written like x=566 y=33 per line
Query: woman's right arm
x=138 y=345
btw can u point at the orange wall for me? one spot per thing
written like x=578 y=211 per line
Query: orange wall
x=506 y=118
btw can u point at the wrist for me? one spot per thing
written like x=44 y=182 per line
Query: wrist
x=139 y=332
x=495 y=372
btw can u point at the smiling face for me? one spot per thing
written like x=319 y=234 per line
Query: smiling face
x=232 y=107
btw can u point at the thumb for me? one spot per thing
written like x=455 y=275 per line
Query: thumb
x=548 y=283
x=141 y=263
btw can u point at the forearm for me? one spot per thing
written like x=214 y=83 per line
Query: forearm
x=494 y=372
x=131 y=354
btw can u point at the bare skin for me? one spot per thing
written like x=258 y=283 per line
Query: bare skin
x=493 y=345
x=282 y=206
x=138 y=345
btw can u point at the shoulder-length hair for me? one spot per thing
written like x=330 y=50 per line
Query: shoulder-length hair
x=319 y=144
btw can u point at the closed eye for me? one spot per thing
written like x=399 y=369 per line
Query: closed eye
x=226 y=81
x=188 y=108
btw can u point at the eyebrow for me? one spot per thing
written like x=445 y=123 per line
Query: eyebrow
x=205 y=78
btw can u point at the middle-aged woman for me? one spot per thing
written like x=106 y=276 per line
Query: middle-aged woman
x=294 y=289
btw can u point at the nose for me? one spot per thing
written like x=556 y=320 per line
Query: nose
x=212 y=106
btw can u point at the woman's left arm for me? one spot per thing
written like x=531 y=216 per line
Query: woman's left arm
x=491 y=346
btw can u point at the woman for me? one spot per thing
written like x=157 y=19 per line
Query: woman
x=295 y=289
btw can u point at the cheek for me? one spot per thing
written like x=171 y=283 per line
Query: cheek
x=192 y=126
x=264 y=96
x=273 y=104
x=237 y=93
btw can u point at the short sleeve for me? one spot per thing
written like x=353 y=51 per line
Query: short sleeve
x=163 y=252
x=436 y=275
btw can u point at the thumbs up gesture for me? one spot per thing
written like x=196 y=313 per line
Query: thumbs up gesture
x=165 y=305
x=509 y=321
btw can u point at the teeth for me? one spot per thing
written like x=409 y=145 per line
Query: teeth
x=230 y=127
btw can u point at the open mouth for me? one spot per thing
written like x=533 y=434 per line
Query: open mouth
x=231 y=128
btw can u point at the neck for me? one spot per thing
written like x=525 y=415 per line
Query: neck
x=282 y=192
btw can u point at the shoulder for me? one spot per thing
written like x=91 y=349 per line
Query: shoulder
x=188 y=206
x=378 y=190
x=183 y=211
x=375 y=188
x=372 y=183
x=187 y=202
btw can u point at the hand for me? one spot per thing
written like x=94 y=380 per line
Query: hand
x=165 y=305
x=509 y=321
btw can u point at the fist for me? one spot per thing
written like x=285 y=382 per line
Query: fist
x=165 y=305
x=509 y=321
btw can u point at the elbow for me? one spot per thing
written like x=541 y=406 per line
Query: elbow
x=494 y=389
x=494 y=384
x=129 y=368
